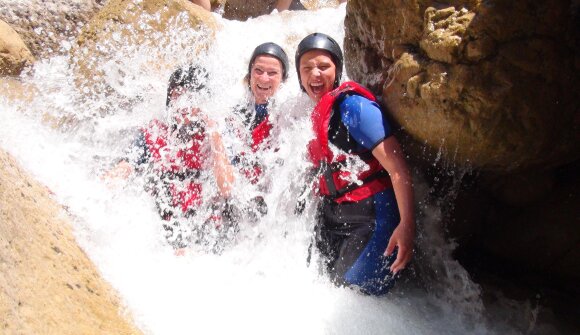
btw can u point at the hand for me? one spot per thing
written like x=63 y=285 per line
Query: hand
x=210 y=123
x=121 y=171
x=402 y=239
x=179 y=252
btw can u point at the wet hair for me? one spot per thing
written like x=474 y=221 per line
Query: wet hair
x=192 y=78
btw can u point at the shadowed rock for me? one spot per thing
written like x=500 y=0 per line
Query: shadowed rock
x=492 y=84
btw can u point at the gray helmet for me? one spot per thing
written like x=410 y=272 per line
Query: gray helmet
x=320 y=41
x=274 y=50
x=192 y=78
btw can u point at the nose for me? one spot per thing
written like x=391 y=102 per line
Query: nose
x=264 y=76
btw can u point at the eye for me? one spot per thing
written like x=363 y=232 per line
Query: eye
x=258 y=71
x=272 y=73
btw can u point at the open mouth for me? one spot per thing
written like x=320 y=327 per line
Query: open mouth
x=317 y=88
x=263 y=88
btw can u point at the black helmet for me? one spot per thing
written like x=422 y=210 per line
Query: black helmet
x=192 y=78
x=272 y=49
x=324 y=42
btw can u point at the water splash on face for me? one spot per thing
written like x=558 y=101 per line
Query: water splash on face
x=261 y=284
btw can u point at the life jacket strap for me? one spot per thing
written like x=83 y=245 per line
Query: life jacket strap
x=328 y=171
x=181 y=175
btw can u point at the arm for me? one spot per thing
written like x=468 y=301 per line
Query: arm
x=390 y=155
x=135 y=156
x=222 y=168
x=370 y=129
x=122 y=170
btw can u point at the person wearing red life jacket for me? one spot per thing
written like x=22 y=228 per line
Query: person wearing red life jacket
x=366 y=224
x=267 y=70
x=173 y=156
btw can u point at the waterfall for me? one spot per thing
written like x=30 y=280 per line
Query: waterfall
x=260 y=284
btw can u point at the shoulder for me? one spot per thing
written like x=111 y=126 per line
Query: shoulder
x=156 y=124
x=354 y=104
x=156 y=128
x=364 y=118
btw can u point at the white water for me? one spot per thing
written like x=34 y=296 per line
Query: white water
x=261 y=285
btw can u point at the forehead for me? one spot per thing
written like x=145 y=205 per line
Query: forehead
x=316 y=55
x=266 y=61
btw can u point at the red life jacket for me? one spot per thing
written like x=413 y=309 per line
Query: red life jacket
x=259 y=134
x=333 y=179
x=175 y=165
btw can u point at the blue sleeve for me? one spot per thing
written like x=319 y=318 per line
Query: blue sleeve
x=138 y=154
x=364 y=120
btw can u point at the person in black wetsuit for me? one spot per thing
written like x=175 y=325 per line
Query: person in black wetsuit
x=366 y=224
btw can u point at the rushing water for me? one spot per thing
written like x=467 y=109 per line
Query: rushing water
x=261 y=284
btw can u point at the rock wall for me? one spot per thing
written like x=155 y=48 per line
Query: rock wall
x=126 y=25
x=491 y=84
x=491 y=87
x=48 y=27
x=14 y=55
x=47 y=283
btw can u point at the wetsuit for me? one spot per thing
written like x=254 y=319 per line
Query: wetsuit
x=356 y=220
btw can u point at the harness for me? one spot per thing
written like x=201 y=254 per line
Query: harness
x=332 y=175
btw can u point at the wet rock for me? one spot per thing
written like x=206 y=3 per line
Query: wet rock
x=133 y=27
x=43 y=270
x=541 y=234
x=490 y=84
x=14 y=55
x=48 y=27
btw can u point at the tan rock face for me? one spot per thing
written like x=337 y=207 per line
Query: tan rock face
x=128 y=25
x=48 y=26
x=490 y=84
x=14 y=55
x=47 y=283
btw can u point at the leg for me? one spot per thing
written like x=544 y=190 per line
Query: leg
x=371 y=271
x=343 y=231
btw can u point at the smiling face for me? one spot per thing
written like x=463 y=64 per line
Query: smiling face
x=317 y=73
x=183 y=114
x=265 y=78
